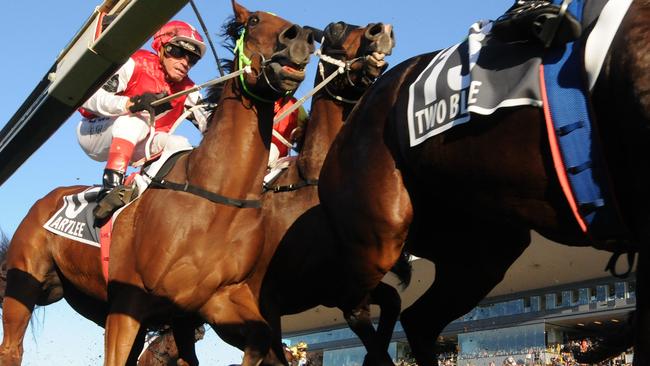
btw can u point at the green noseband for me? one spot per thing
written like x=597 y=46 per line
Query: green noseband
x=243 y=60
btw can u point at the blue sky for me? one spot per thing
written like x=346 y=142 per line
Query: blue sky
x=35 y=32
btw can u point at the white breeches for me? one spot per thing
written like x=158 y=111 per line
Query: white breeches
x=95 y=136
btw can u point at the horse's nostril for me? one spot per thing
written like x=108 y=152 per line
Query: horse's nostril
x=290 y=33
x=375 y=30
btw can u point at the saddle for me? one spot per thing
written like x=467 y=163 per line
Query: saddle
x=538 y=20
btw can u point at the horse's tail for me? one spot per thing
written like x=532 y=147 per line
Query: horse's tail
x=4 y=245
x=403 y=269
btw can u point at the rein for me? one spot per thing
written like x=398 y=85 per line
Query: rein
x=342 y=68
x=152 y=116
x=302 y=100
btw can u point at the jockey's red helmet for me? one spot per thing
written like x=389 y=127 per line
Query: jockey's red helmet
x=181 y=34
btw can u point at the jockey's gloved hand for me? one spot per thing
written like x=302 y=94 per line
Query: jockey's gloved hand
x=143 y=102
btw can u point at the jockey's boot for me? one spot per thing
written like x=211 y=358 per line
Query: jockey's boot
x=113 y=194
x=110 y=180
x=537 y=20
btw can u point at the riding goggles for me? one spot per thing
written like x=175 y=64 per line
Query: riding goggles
x=175 y=51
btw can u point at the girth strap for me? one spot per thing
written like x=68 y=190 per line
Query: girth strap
x=293 y=186
x=216 y=198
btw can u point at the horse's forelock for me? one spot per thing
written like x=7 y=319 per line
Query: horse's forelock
x=231 y=30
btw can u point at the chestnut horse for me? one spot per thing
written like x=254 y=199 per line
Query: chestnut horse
x=174 y=252
x=468 y=198
x=292 y=216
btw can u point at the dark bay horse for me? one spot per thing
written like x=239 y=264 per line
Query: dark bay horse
x=292 y=216
x=468 y=198
x=175 y=252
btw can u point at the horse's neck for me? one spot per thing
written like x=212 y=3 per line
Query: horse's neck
x=232 y=156
x=326 y=119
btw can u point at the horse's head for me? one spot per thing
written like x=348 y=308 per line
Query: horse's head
x=363 y=49
x=275 y=49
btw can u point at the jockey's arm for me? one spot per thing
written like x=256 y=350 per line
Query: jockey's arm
x=199 y=116
x=105 y=102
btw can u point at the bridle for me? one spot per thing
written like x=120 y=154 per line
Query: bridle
x=244 y=61
x=347 y=67
x=335 y=57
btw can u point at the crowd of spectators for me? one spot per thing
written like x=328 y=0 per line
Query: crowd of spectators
x=555 y=355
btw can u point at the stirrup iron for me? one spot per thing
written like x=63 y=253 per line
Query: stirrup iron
x=116 y=198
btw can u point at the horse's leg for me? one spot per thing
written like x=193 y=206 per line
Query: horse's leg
x=459 y=287
x=234 y=314
x=137 y=348
x=184 y=332
x=359 y=321
x=275 y=356
x=15 y=317
x=31 y=279
x=128 y=308
x=120 y=336
x=642 y=316
x=376 y=341
x=390 y=304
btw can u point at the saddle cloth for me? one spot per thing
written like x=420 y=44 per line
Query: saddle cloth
x=75 y=219
x=483 y=74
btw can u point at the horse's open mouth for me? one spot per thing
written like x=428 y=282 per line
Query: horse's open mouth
x=286 y=77
x=375 y=64
x=377 y=59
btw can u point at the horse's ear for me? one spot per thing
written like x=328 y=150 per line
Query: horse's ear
x=318 y=34
x=241 y=13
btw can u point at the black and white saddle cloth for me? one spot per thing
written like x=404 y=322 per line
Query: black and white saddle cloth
x=75 y=219
x=483 y=74
x=479 y=75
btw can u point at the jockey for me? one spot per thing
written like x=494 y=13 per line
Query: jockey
x=115 y=126
x=539 y=20
x=289 y=129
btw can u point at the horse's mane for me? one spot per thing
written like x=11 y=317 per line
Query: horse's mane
x=230 y=30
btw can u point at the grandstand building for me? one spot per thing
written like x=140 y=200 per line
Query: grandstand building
x=553 y=296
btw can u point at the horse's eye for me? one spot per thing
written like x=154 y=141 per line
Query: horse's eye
x=253 y=20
